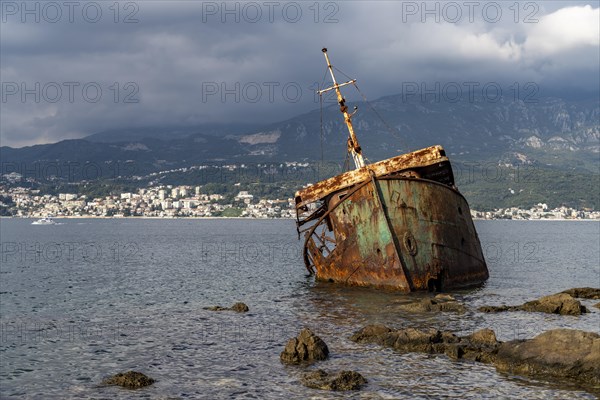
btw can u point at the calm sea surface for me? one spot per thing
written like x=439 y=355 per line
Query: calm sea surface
x=90 y=298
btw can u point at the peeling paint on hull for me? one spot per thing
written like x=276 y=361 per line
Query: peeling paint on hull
x=398 y=229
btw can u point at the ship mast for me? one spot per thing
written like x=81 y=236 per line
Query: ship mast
x=353 y=146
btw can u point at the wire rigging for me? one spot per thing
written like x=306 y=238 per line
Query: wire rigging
x=321 y=108
x=322 y=85
x=393 y=131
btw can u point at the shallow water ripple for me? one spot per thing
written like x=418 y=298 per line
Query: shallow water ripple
x=129 y=294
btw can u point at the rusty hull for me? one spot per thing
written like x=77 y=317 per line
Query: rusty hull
x=401 y=225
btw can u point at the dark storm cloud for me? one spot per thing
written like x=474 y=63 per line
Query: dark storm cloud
x=188 y=63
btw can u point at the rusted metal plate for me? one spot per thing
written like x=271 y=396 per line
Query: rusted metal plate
x=421 y=237
x=416 y=159
x=366 y=254
x=436 y=235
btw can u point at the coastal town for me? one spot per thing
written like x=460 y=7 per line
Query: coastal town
x=168 y=201
x=156 y=202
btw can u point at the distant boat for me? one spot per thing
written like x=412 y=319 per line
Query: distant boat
x=44 y=221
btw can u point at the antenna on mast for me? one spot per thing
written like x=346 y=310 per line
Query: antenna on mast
x=353 y=146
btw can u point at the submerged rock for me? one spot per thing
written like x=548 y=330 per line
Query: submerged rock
x=339 y=381
x=443 y=302
x=370 y=333
x=485 y=337
x=237 y=307
x=240 y=307
x=217 y=308
x=444 y=297
x=584 y=293
x=494 y=309
x=559 y=353
x=560 y=303
x=596 y=305
x=481 y=345
x=565 y=353
x=305 y=348
x=129 y=379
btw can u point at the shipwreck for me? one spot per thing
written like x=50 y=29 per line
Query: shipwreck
x=399 y=223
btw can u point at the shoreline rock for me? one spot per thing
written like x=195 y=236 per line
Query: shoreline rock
x=560 y=303
x=335 y=381
x=306 y=348
x=584 y=293
x=480 y=346
x=439 y=303
x=237 y=307
x=129 y=380
x=558 y=353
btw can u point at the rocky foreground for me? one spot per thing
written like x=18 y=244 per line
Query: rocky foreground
x=563 y=303
x=559 y=353
x=555 y=354
x=306 y=349
x=560 y=303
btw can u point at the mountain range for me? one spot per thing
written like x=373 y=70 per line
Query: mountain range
x=560 y=135
x=467 y=129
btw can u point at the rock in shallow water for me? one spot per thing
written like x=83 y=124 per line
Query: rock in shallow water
x=305 y=348
x=237 y=307
x=440 y=303
x=486 y=337
x=343 y=380
x=560 y=303
x=567 y=353
x=584 y=293
x=370 y=333
x=478 y=346
x=129 y=379
x=559 y=353
x=240 y=307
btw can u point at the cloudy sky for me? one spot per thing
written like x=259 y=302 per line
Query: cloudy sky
x=73 y=69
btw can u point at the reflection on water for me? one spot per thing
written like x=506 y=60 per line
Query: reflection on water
x=128 y=294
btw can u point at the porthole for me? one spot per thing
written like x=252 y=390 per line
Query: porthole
x=410 y=244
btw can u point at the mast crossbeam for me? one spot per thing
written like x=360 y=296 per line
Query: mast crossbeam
x=353 y=81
